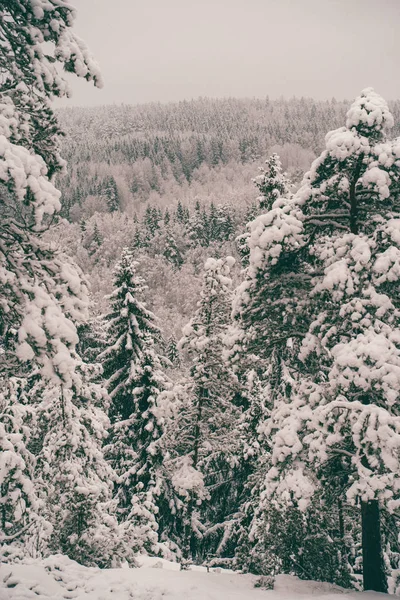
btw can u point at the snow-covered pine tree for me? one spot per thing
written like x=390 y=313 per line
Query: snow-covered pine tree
x=20 y=507
x=110 y=192
x=204 y=426
x=253 y=457
x=272 y=184
x=172 y=252
x=73 y=478
x=134 y=379
x=198 y=227
x=137 y=241
x=172 y=351
x=29 y=156
x=342 y=228
x=180 y=213
x=43 y=295
x=224 y=223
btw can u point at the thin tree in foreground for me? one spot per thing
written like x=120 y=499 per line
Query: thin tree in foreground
x=204 y=426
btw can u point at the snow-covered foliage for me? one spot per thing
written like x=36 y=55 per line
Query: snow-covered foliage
x=272 y=185
x=38 y=289
x=134 y=381
x=37 y=45
x=339 y=238
x=19 y=502
x=55 y=483
x=75 y=480
x=274 y=444
x=204 y=416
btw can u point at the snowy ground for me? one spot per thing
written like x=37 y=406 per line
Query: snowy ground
x=59 y=578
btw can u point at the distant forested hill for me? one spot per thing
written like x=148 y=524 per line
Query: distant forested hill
x=146 y=146
x=175 y=182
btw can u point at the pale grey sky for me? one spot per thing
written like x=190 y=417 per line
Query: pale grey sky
x=167 y=50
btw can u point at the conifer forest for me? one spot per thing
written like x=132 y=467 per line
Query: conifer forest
x=199 y=331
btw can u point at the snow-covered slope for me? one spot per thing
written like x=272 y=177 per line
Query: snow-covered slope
x=59 y=578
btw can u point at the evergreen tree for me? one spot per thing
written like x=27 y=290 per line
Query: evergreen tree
x=253 y=454
x=20 y=506
x=110 y=191
x=134 y=379
x=272 y=185
x=33 y=288
x=198 y=227
x=205 y=423
x=340 y=232
x=151 y=221
x=224 y=227
x=96 y=240
x=212 y=221
x=137 y=240
x=171 y=251
x=74 y=479
x=180 y=213
x=173 y=354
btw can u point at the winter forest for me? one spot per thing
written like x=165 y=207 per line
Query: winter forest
x=200 y=332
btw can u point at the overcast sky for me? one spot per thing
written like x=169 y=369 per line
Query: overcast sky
x=163 y=50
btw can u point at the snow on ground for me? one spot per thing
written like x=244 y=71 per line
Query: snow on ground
x=58 y=578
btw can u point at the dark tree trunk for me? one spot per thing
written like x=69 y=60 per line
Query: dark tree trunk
x=353 y=197
x=374 y=577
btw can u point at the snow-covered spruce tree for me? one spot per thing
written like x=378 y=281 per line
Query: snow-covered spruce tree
x=134 y=379
x=20 y=507
x=43 y=296
x=37 y=43
x=274 y=538
x=110 y=192
x=340 y=429
x=253 y=455
x=272 y=184
x=204 y=425
x=73 y=478
x=198 y=226
x=172 y=351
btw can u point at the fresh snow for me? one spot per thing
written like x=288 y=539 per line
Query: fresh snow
x=59 y=578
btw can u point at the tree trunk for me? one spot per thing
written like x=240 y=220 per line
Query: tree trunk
x=353 y=197
x=374 y=577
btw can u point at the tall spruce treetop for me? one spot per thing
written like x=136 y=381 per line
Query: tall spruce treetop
x=340 y=238
x=271 y=183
